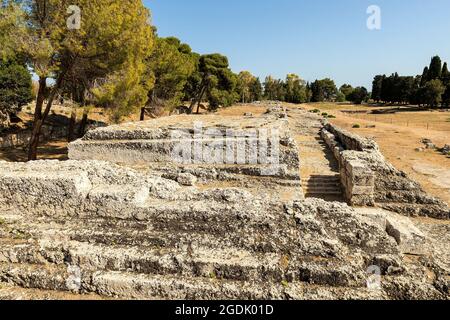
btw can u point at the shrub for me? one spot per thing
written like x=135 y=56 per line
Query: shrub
x=356 y=126
x=330 y=116
x=15 y=86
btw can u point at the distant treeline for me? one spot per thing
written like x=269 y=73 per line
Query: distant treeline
x=185 y=76
x=432 y=88
x=295 y=90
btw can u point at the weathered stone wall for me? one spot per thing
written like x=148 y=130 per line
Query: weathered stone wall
x=368 y=179
x=350 y=141
x=215 y=143
x=357 y=179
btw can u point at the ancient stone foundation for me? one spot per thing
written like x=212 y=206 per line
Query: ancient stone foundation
x=249 y=146
x=154 y=228
x=93 y=227
x=368 y=179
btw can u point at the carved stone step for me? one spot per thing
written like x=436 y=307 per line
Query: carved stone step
x=134 y=285
x=231 y=263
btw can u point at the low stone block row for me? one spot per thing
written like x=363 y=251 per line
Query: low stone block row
x=368 y=179
x=357 y=179
x=351 y=141
x=263 y=143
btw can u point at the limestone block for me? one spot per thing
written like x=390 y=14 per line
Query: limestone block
x=362 y=190
x=409 y=238
x=361 y=200
x=356 y=168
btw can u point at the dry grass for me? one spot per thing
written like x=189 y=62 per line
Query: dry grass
x=428 y=120
x=399 y=136
x=241 y=109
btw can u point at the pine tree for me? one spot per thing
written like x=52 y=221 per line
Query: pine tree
x=435 y=68
x=171 y=64
x=445 y=77
x=432 y=92
x=256 y=90
x=15 y=90
x=217 y=83
x=15 y=86
x=113 y=41
x=377 y=87
x=245 y=80
x=295 y=89
x=358 y=95
x=424 y=79
x=346 y=90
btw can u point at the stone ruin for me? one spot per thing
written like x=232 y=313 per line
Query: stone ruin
x=369 y=180
x=149 y=227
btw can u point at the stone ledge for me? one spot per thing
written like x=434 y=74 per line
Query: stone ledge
x=368 y=179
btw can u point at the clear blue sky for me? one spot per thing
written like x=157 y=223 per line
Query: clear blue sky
x=313 y=38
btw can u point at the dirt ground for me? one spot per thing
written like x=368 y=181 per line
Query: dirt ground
x=241 y=109
x=52 y=150
x=399 y=136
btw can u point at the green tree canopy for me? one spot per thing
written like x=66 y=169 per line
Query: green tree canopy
x=15 y=86
x=435 y=69
x=445 y=76
x=245 y=81
x=171 y=64
x=111 y=44
x=358 y=95
x=256 y=90
x=215 y=81
x=432 y=93
x=346 y=89
x=377 y=86
x=425 y=75
x=15 y=89
x=323 y=90
x=295 y=89
x=272 y=90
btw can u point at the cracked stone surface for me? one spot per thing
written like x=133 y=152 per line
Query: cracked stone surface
x=94 y=229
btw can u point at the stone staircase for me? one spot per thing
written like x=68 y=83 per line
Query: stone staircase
x=319 y=169
x=327 y=187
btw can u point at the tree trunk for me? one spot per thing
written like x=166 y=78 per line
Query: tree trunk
x=71 y=131
x=40 y=117
x=199 y=97
x=142 y=117
x=37 y=122
x=193 y=103
x=83 y=123
x=200 y=100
